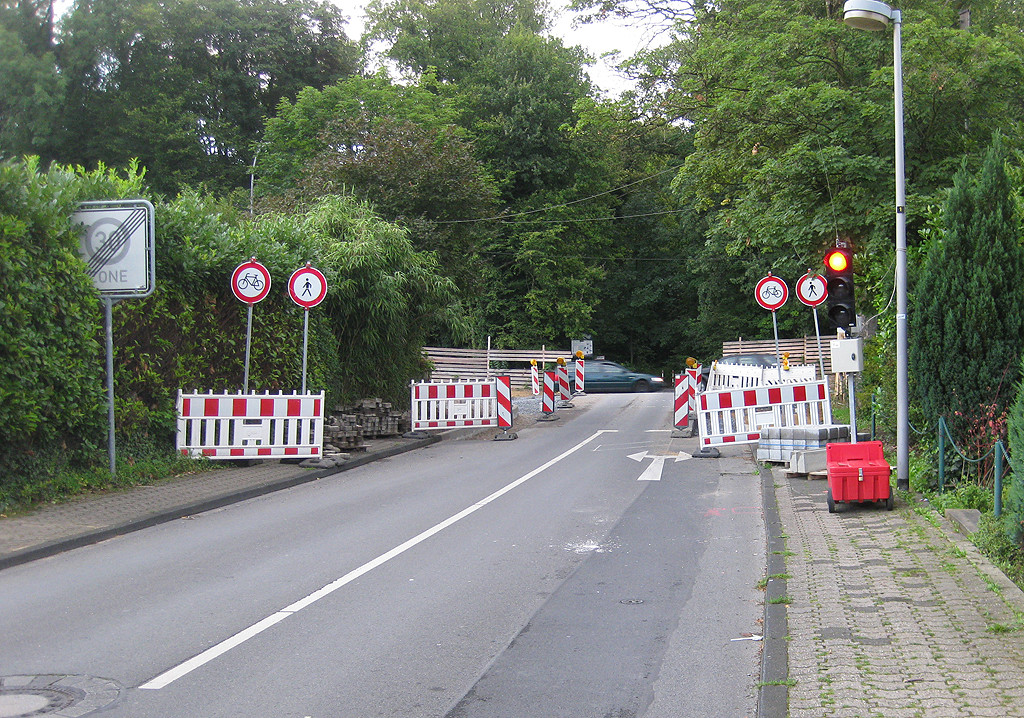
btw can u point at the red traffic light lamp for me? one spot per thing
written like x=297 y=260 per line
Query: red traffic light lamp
x=838 y=260
x=842 y=311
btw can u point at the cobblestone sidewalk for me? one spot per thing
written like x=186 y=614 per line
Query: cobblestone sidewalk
x=895 y=616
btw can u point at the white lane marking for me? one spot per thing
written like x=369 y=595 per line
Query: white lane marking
x=168 y=677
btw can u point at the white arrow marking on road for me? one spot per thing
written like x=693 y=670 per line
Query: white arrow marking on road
x=653 y=472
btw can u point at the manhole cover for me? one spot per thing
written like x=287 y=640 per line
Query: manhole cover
x=23 y=696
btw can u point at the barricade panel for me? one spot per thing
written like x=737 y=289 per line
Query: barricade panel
x=738 y=415
x=451 y=405
x=229 y=426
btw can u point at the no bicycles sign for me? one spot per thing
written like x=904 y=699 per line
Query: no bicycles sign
x=250 y=282
x=771 y=293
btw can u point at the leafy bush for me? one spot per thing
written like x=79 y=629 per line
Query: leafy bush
x=51 y=395
x=365 y=338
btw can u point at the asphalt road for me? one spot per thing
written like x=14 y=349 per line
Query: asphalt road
x=529 y=578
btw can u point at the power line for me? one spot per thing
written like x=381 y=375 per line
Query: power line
x=503 y=217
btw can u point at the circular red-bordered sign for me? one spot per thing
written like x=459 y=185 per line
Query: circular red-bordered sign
x=811 y=289
x=771 y=293
x=250 y=282
x=307 y=286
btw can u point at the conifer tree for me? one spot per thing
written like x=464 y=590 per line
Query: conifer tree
x=968 y=310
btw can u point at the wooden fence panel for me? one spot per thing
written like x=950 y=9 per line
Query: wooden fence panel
x=471 y=364
x=801 y=351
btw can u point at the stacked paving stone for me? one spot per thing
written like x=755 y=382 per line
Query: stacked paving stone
x=347 y=428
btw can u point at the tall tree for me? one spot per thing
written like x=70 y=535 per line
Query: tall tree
x=451 y=36
x=184 y=84
x=31 y=90
x=967 y=317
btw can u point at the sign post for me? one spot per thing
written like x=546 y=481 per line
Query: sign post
x=117 y=246
x=250 y=283
x=307 y=287
x=812 y=290
x=771 y=293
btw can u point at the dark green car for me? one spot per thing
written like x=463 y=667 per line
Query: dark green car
x=603 y=375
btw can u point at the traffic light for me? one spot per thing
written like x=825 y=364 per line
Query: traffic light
x=842 y=311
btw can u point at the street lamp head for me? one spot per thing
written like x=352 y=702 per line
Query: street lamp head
x=867 y=14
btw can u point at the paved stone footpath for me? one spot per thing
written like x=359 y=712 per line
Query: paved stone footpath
x=894 y=614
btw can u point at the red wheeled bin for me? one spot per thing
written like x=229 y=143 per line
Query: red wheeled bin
x=857 y=473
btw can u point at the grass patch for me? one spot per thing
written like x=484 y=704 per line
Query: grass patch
x=778 y=682
x=763 y=583
x=780 y=599
x=992 y=540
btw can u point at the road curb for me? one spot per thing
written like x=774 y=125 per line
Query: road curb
x=773 y=691
x=87 y=538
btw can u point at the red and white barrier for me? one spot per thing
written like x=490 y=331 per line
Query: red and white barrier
x=250 y=426
x=579 y=376
x=738 y=376
x=451 y=405
x=686 y=396
x=694 y=375
x=547 y=401
x=535 y=379
x=563 y=383
x=503 y=384
x=737 y=416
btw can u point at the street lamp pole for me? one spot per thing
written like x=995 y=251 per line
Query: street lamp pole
x=875 y=16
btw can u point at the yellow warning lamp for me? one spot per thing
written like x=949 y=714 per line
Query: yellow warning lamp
x=579 y=353
x=691 y=362
x=533 y=362
x=561 y=361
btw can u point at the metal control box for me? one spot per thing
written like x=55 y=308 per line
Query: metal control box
x=847 y=356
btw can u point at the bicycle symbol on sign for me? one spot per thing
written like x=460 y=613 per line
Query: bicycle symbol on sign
x=250 y=279
x=770 y=292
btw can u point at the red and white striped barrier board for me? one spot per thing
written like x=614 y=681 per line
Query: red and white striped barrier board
x=504 y=386
x=685 y=396
x=535 y=379
x=579 y=376
x=737 y=416
x=563 y=383
x=452 y=405
x=250 y=426
x=547 y=401
x=694 y=375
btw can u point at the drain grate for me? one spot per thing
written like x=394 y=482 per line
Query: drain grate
x=631 y=601
x=40 y=695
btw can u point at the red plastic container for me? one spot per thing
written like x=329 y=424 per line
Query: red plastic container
x=857 y=472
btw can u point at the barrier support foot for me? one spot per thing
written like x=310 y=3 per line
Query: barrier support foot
x=415 y=435
x=706 y=452
x=506 y=435
x=548 y=417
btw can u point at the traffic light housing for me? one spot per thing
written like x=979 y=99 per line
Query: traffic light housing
x=842 y=311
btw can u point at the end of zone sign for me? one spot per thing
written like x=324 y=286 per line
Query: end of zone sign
x=117 y=246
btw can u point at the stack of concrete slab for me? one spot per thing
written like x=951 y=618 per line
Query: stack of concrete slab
x=778 y=443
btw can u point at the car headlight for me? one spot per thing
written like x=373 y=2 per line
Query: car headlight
x=657 y=380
